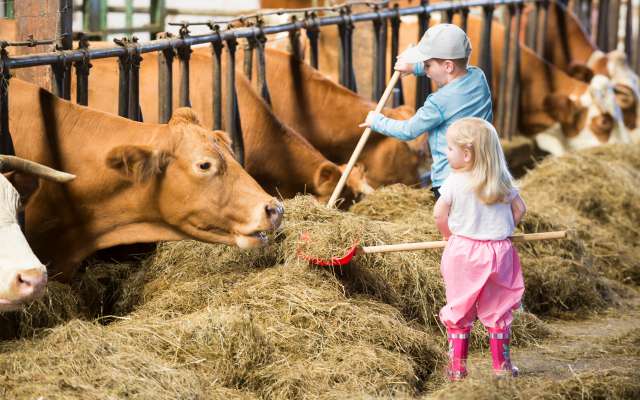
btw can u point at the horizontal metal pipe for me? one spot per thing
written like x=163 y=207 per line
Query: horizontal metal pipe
x=33 y=60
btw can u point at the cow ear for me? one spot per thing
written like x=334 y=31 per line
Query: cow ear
x=185 y=115
x=326 y=177
x=138 y=163
x=25 y=184
x=559 y=107
x=580 y=72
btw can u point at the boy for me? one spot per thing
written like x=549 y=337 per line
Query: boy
x=443 y=54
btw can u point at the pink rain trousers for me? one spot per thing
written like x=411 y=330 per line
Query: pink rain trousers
x=483 y=279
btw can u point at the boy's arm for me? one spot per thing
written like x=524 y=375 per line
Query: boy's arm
x=441 y=216
x=518 y=208
x=426 y=118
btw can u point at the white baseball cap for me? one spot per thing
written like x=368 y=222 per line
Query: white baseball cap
x=445 y=41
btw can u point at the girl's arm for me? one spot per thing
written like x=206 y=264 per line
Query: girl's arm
x=518 y=208
x=441 y=215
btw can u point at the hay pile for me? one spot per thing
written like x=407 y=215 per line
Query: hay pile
x=197 y=320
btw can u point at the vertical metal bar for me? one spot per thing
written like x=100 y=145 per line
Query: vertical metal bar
x=423 y=84
x=541 y=40
x=134 y=81
x=398 y=95
x=248 y=57
x=347 y=75
x=61 y=75
x=501 y=122
x=628 y=32
x=613 y=24
x=262 y=68
x=123 y=85
x=448 y=16
x=313 y=32
x=485 y=52
x=82 y=73
x=603 y=26
x=636 y=38
x=232 y=114
x=184 y=54
x=8 y=12
x=532 y=27
x=588 y=15
x=465 y=18
x=165 y=85
x=6 y=143
x=513 y=92
x=379 y=57
x=294 y=41
x=216 y=49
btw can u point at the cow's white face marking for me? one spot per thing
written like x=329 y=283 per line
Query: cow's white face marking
x=22 y=275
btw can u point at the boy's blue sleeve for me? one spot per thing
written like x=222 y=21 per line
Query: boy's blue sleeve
x=418 y=68
x=426 y=118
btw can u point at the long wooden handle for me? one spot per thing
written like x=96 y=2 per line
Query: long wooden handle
x=442 y=243
x=362 y=142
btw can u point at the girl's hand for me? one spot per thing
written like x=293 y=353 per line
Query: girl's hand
x=403 y=67
x=369 y=121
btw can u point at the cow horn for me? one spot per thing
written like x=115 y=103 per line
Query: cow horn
x=13 y=163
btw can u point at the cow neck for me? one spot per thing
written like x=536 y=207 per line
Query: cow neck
x=275 y=152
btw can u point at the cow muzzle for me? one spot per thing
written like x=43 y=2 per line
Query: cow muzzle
x=24 y=286
x=272 y=213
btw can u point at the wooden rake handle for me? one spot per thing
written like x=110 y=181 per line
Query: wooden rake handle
x=362 y=142
x=442 y=243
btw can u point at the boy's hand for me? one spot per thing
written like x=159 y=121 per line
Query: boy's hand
x=403 y=67
x=369 y=121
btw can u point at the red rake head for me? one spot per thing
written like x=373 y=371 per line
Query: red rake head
x=327 y=262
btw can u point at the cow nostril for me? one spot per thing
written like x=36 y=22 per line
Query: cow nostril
x=274 y=212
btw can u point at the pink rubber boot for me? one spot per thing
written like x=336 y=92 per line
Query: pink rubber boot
x=499 y=345
x=458 y=349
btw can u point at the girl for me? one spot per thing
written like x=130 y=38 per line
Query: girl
x=478 y=210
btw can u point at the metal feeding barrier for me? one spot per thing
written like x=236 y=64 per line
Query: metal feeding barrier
x=130 y=53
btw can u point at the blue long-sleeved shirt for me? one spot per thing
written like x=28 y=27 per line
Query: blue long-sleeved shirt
x=466 y=96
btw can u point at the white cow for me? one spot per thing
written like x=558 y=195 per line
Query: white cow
x=22 y=276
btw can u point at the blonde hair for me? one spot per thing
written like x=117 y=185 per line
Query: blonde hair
x=491 y=180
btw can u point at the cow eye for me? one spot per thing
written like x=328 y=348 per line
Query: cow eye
x=205 y=166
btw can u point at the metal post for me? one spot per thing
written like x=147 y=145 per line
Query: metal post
x=398 y=95
x=216 y=50
x=347 y=74
x=61 y=74
x=485 y=51
x=232 y=115
x=313 y=31
x=532 y=27
x=513 y=91
x=124 y=66
x=603 y=26
x=248 y=57
x=423 y=84
x=379 y=57
x=94 y=16
x=628 y=32
x=541 y=41
x=501 y=122
x=134 y=80
x=82 y=73
x=128 y=15
x=261 y=40
x=294 y=40
x=6 y=143
x=165 y=82
x=613 y=23
x=448 y=16
x=465 y=18
x=184 y=54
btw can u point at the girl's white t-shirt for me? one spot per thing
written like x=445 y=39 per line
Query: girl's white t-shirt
x=469 y=217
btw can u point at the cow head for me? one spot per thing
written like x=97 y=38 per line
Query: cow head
x=391 y=161
x=22 y=276
x=592 y=119
x=199 y=189
x=327 y=177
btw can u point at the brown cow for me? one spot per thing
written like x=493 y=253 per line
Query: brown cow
x=136 y=182
x=282 y=161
